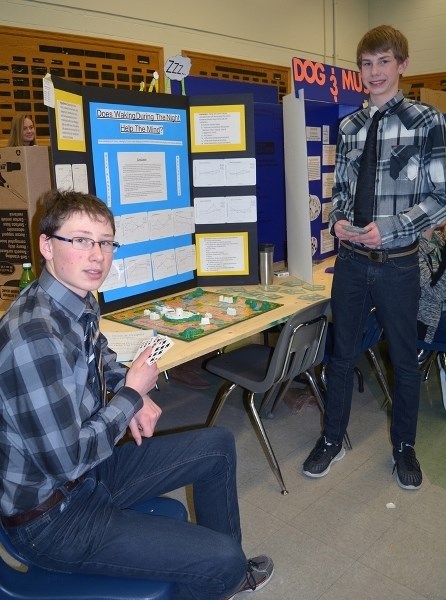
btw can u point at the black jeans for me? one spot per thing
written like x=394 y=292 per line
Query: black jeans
x=393 y=287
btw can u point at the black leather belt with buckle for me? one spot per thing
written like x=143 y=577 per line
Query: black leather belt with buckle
x=56 y=497
x=381 y=256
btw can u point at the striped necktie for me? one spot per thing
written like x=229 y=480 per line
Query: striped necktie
x=94 y=354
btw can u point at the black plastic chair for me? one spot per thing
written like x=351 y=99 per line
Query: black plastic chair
x=261 y=369
x=21 y=580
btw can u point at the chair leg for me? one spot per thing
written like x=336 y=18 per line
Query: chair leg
x=220 y=399
x=381 y=378
x=427 y=363
x=309 y=376
x=360 y=377
x=263 y=438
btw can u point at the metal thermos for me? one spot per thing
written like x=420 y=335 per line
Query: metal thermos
x=266 y=272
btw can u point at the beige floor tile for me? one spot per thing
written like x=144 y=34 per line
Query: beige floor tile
x=362 y=583
x=411 y=556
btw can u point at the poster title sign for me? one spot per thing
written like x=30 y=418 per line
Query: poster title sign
x=327 y=83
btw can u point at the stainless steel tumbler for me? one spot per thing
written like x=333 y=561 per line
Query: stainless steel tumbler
x=266 y=272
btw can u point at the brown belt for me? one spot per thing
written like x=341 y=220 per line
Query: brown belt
x=56 y=497
x=382 y=255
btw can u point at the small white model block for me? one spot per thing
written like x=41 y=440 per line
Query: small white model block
x=231 y=312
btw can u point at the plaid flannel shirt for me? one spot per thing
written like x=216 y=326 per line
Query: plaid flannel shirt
x=410 y=193
x=52 y=427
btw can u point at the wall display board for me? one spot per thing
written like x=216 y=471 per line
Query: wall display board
x=132 y=150
x=224 y=189
x=323 y=96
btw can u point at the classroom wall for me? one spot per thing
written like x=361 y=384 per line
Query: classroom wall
x=259 y=30
x=424 y=24
x=271 y=31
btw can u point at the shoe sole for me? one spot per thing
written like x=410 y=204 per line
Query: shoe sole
x=339 y=456
x=401 y=484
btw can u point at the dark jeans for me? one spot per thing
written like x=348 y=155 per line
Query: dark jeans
x=393 y=287
x=93 y=531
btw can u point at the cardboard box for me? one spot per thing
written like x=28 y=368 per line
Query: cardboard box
x=24 y=175
x=435 y=98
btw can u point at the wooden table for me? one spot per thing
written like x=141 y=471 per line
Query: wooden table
x=182 y=352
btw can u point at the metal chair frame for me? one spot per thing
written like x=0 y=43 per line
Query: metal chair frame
x=260 y=369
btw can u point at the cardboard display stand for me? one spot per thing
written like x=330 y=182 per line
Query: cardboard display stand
x=323 y=95
x=24 y=175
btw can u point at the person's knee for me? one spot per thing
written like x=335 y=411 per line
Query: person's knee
x=219 y=439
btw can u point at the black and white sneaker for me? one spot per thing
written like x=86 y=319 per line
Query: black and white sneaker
x=407 y=467
x=258 y=574
x=320 y=458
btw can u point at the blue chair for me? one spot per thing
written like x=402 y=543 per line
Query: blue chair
x=21 y=580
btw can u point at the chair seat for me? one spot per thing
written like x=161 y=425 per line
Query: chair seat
x=40 y=584
x=245 y=366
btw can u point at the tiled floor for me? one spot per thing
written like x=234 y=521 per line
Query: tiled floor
x=335 y=538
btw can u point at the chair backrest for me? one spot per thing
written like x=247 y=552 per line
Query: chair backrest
x=301 y=343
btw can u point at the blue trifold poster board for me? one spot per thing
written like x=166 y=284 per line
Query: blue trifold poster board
x=134 y=150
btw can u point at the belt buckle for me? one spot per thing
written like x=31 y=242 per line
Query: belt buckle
x=377 y=255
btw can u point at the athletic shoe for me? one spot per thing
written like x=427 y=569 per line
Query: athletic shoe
x=258 y=574
x=408 y=471
x=320 y=458
x=441 y=358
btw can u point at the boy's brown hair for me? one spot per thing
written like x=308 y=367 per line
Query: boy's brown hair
x=382 y=39
x=57 y=206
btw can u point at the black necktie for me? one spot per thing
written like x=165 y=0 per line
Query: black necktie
x=94 y=355
x=365 y=185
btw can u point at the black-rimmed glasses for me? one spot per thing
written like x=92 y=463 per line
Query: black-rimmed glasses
x=83 y=243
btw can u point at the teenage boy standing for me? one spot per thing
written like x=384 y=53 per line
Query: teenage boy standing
x=378 y=266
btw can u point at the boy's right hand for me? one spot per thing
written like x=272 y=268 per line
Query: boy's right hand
x=141 y=376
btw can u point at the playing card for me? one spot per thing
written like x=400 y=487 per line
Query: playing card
x=159 y=343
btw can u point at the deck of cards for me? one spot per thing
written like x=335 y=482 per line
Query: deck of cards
x=159 y=344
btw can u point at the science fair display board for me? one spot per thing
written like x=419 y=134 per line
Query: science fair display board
x=132 y=150
x=322 y=96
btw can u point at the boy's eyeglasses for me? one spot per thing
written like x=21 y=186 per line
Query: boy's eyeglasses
x=83 y=243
